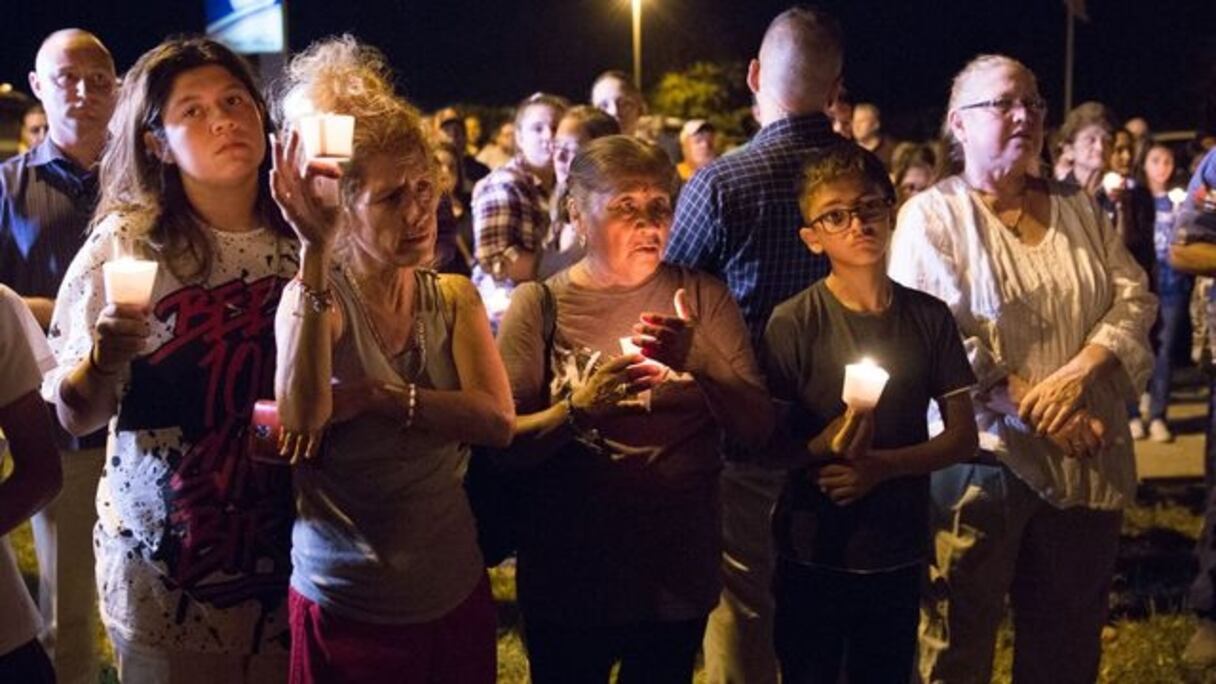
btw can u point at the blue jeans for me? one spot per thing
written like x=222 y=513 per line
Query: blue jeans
x=1174 y=294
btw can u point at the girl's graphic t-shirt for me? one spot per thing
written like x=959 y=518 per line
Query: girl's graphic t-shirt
x=193 y=538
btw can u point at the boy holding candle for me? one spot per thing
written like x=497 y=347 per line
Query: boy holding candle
x=851 y=526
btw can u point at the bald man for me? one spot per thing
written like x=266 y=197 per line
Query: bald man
x=47 y=196
x=738 y=218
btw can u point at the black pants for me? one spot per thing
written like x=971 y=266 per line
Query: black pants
x=826 y=618
x=27 y=663
x=649 y=652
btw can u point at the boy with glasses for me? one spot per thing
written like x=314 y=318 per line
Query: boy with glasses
x=851 y=526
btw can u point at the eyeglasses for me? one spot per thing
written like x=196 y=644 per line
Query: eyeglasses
x=868 y=212
x=1035 y=106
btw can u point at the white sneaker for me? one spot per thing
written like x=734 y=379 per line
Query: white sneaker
x=1137 y=427
x=1158 y=431
x=1200 y=651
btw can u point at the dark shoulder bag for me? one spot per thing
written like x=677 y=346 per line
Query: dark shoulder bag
x=492 y=488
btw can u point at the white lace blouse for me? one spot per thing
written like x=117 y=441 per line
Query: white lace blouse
x=1029 y=310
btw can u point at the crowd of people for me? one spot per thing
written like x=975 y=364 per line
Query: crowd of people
x=261 y=469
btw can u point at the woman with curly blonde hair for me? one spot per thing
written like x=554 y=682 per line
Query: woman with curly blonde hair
x=396 y=365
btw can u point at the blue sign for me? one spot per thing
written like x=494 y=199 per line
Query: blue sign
x=247 y=26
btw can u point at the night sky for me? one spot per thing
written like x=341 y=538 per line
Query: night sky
x=1155 y=59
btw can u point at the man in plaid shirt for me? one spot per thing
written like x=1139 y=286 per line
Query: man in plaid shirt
x=738 y=218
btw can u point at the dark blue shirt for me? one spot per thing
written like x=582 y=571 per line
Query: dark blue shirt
x=738 y=219
x=46 y=201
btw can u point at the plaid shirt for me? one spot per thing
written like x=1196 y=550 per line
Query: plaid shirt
x=738 y=219
x=510 y=209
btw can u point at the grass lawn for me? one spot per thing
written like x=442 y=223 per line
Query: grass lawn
x=1142 y=646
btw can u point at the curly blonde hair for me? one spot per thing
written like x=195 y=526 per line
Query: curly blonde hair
x=340 y=75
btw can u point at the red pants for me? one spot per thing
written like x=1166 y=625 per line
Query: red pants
x=458 y=648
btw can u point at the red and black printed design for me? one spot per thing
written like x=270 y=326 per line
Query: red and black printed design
x=226 y=537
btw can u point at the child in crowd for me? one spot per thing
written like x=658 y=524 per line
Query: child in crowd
x=852 y=523
x=1154 y=171
x=34 y=481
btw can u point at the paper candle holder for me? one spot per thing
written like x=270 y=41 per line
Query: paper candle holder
x=863 y=384
x=1176 y=196
x=628 y=348
x=327 y=136
x=1113 y=181
x=129 y=281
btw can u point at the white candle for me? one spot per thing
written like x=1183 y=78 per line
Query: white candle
x=497 y=300
x=327 y=136
x=628 y=348
x=1113 y=181
x=863 y=384
x=129 y=281
x=1177 y=196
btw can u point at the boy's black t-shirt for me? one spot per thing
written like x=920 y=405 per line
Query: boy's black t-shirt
x=809 y=340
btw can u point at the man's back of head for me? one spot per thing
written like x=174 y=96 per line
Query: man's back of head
x=800 y=62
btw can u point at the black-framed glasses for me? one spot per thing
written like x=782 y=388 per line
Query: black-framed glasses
x=1005 y=105
x=869 y=212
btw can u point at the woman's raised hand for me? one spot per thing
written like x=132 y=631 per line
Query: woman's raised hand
x=293 y=186
x=668 y=339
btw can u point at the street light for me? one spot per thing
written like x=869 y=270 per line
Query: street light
x=637 y=43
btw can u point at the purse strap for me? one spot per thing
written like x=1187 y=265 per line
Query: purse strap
x=548 y=319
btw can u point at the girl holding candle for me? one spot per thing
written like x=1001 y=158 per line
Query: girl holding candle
x=1055 y=314
x=619 y=549
x=851 y=526
x=192 y=538
x=397 y=364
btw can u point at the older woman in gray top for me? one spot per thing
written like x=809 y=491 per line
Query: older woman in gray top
x=619 y=553
x=1054 y=313
x=387 y=580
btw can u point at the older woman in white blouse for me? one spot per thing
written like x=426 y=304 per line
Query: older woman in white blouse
x=1055 y=315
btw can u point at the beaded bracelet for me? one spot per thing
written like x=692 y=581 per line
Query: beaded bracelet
x=411 y=407
x=319 y=301
x=589 y=436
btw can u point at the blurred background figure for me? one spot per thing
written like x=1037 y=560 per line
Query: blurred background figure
x=1061 y=157
x=1139 y=129
x=500 y=148
x=840 y=111
x=472 y=126
x=913 y=168
x=564 y=245
x=698 y=147
x=33 y=128
x=454 y=244
x=511 y=205
x=614 y=93
x=867 y=131
x=450 y=129
x=1154 y=172
x=1086 y=137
